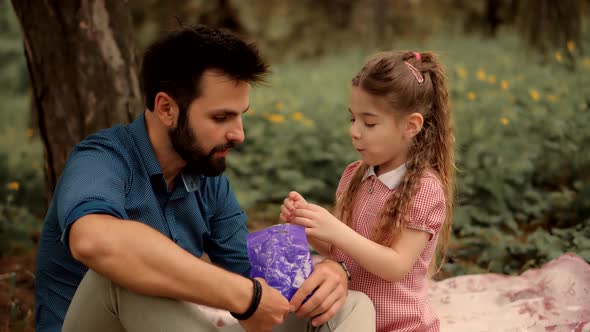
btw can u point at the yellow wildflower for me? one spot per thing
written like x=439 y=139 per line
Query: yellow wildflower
x=308 y=122
x=534 y=94
x=481 y=75
x=471 y=96
x=13 y=186
x=552 y=97
x=504 y=121
x=558 y=56
x=297 y=116
x=571 y=46
x=504 y=85
x=587 y=62
x=280 y=106
x=276 y=118
x=461 y=72
x=492 y=79
x=29 y=132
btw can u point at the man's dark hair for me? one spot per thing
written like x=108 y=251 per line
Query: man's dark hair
x=175 y=63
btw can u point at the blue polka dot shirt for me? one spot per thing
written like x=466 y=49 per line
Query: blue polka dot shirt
x=115 y=172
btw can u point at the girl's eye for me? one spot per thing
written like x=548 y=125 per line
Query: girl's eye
x=351 y=120
x=370 y=125
x=219 y=118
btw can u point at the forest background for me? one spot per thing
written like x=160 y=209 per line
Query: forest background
x=519 y=76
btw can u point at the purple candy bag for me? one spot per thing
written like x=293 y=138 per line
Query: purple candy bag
x=280 y=255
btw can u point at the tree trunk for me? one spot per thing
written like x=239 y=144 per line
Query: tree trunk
x=549 y=24
x=81 y=60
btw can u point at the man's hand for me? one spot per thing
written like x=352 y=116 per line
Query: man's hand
x=288 y=206
x=330 y=286
x=272 y=310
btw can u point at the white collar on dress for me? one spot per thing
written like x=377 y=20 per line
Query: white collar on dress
x=391 y=179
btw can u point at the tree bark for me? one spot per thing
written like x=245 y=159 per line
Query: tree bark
x=81 y=60
x=548 y=24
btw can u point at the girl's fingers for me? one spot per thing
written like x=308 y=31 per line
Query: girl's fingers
x=289 y=204
x=284 y=218
x=307 y=206
x=301 y=205
x=295 y=196
x=285 y=210
x=302 y=222
x=303 y=213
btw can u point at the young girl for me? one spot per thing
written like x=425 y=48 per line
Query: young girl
x=394 y=206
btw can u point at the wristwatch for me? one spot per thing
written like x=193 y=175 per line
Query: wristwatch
x=348 y=276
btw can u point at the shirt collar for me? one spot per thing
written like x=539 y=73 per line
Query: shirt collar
x=139 y=132
x=391 y=179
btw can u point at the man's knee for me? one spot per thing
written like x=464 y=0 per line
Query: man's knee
x=96 y=281
x=92 y=308
x=359 y=301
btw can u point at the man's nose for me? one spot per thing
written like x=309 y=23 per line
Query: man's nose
x=236 y=133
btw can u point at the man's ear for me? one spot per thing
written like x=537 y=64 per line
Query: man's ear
x=166 y=109
x=414 y=124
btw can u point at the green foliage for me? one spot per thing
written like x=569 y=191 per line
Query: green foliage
x=523 y=196
x=296 y=134
x=522 y=190
x=13 y=72
x=521 y=137
x=22 y=192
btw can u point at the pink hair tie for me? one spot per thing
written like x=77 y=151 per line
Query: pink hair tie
x=417 y=55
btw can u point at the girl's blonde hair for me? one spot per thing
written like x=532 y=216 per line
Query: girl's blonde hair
x=396 y=77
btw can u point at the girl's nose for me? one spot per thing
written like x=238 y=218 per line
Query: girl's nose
x=354 y=132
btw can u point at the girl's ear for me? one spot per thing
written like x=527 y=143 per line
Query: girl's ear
x=414 y=124
x=166 y=109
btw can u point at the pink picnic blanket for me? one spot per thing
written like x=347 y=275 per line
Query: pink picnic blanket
x=555 y=297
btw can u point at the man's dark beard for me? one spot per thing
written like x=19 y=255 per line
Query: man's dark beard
x=188 y=147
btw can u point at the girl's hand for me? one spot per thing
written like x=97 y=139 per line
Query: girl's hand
x=319 y=222
x=288 y=206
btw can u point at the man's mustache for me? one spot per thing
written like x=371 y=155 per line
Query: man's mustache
x=223 y=147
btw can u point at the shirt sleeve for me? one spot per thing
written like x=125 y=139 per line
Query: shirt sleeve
x=428 y=209
x=93 y=181
x=226 y=246
x=346 y=177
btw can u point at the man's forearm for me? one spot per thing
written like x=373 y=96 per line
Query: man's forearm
x=143 y=260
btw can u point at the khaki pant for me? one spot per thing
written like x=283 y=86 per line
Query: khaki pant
x=100 y=305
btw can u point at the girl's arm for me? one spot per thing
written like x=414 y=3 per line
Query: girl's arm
x=391 y=264
x=323 y=248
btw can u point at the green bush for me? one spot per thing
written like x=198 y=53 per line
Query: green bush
x=22 y=191
x=522 y=191
x=523 y=196
x=296 y=134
